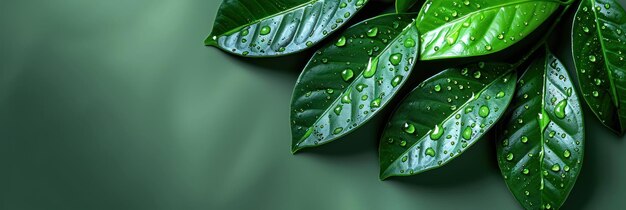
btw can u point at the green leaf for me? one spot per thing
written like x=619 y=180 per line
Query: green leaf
x=467 y=28
x=541 y=149
x=443 y=116
x=349 y=81
x=262 y=28
x=599 y=48
x=404 y=5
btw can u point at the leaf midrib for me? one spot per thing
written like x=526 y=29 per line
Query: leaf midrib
x=541 y=131
x=351 y=85
x=606 y=60
x=452 y=114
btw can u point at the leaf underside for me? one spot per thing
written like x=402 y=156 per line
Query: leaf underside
x=263 y=28
x=452 y=29
x=599 y=49
x=540 y=150
x=443 y=116
x=348 y=81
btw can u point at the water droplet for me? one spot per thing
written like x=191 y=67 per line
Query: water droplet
x=347 y=98
x=405 y=158
x=488 y=48
x=430 y=152
x=396 y=80
x=500 y=94
x=395 y=59
x=524 y=139
x=265 y=30
x=592 y=58
x=408 y=43
x=341 y=41
x=559 y=109
x=509 y=156
x=403 y=143
x=467 y=133
x=376 y=103
x=525 y=171
x=483 y=111
x=408 y=128
x=372 y=65
x=477 y=74
x=347 y=74
x=437 y=88
x=595 y=94
x=556 y=167
x=338 y=109
x=436 y=133
x=597 y=81
x=337 y=130
x=544 y=120
x=567 y=153
x=372 y=32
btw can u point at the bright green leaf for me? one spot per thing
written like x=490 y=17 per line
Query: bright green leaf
x=444 y=116
x=467 y=28
x=351 y=79
x=540 y=151
x=599 y=46
x=261 y=28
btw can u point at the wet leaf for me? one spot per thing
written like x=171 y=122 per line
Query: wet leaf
x=351 y=79
x=444 y=116
x=464 y=28
x=540 y=149
x=599 y=47
x=262 y=28
x=404 y=5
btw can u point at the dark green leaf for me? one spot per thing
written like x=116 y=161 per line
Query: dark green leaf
x=404 y=5
x=260 y=28
x=465 y=28
x=349 y=81
x=541 y=149
x=444 y=116
x=599 y=44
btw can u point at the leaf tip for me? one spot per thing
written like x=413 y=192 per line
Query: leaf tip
x=211 y=41
x=384 y=175
x=295 y=150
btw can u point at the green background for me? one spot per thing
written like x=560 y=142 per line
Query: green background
x=118 y=105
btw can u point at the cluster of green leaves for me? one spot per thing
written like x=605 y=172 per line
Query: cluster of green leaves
x=533 y=101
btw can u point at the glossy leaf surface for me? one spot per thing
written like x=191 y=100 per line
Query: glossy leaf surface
x=261 y=28
x=464 y=28
x=540 y=149
x=599 y=46
x=404 y=5
x=351 y=79
x=444 y=116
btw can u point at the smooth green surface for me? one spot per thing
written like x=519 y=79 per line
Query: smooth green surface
x=118 y=105
x=466 y=28
x=404 y=5
x=264 y=28
x=349 y=80
x=599 y=46
x=461 y=105
x=541 y=141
